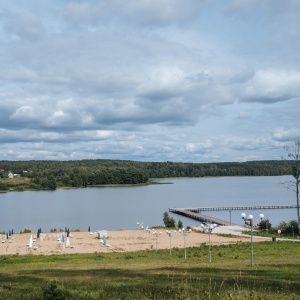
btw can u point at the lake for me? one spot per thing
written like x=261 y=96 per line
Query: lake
x=113 y=208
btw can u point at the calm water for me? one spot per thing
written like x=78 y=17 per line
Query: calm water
x=123 y=207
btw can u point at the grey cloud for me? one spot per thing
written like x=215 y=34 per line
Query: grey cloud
x=271 y=87
x=280 y=8
x=285 y=134
x=241 y=76
x=242 y=8
x=141 y=79
x=27 y=26
x=141 y=12
x=113 y=91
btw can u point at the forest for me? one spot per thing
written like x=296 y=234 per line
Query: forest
x=49 y=175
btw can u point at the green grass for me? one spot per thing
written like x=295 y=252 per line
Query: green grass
x=151 y=275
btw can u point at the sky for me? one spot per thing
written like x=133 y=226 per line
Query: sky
x=149 y=80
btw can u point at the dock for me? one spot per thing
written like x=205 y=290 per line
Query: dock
x=199 y=217
x=195 y=212
x=229 y=208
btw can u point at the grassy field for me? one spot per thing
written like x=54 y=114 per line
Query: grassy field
x=151 y=275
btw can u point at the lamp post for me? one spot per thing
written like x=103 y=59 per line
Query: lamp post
x=140 y=225
x=261 y=216
x=149 y=232
x=211 y=227
x=156 y=234
x=250 y=220
x=169 y=233
x=184 y=233
x=209 y=230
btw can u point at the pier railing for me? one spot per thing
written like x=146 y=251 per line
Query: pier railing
x=194 y=212
x=222 y=208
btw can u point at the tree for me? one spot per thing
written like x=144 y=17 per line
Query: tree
x=179 y=224
x=169 y=222
x=294 y=166
x=264 y=224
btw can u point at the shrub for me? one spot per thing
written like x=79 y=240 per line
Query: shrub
x=25 y=231
x=169 y=222
x=53 y=292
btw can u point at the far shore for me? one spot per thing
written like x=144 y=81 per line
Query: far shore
x=14 y=187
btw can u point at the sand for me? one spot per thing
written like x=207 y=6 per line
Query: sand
x=116 y=241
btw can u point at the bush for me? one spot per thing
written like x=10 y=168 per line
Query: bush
x=26 y=231
x=290 y=227
x=169 y=222
x=264 y=224
x=52 y=292
x=179 y=224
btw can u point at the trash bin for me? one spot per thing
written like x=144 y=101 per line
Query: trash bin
x=273 y=239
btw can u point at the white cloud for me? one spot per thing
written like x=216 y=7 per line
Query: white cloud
x=175 y=80
x=270 y=86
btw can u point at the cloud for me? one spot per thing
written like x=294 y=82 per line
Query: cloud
x=23 y=26
x=285 y=134
x=171 y=80
x=269 y=86
x=134 y=12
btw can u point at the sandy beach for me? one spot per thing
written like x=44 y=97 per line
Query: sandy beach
x=116 y=241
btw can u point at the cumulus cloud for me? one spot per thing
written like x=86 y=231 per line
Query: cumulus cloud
x=175 y=80
x=269 y=86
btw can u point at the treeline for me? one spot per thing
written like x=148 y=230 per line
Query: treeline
x=53 y=174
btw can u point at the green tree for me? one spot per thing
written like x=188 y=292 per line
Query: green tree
x=264 y=225
x=292 y=227
x=169 y=222
x=179 y=224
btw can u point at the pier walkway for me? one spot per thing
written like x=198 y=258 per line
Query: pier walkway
x=194 y=213
x=200 y=209
x=199 y=217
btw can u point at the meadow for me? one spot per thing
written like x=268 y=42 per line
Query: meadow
x=157 y=275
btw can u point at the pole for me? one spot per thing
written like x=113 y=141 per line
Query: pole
x=184 y=233
x=184 y=245
x=251 y=258
x=209 y=249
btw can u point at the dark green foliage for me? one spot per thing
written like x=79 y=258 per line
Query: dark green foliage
x=168 y=221
x=265 y=225
x=52 y=292
x=83 y=173
x=179 y=224
x=290 y=227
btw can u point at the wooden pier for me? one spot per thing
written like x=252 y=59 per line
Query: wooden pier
x=199 y=217
x=200 y=209
x=195 y=212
